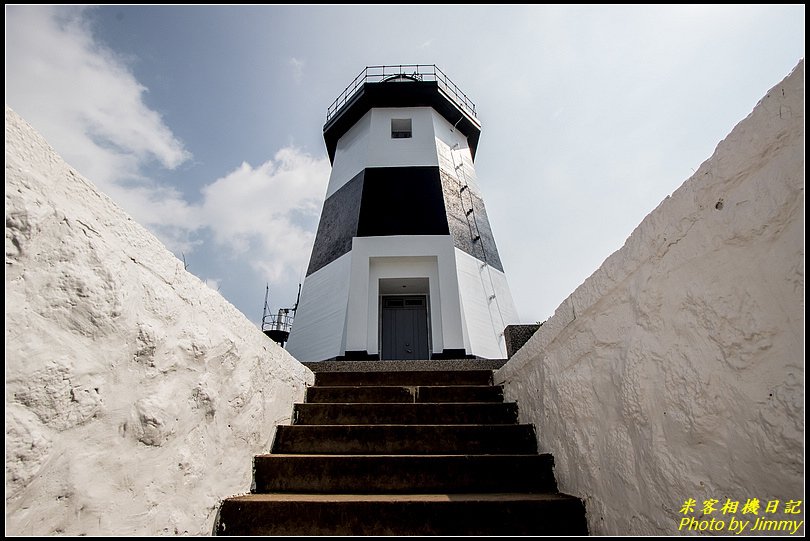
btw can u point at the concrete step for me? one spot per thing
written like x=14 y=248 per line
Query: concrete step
x=405 y=439
x=397 y=366
x=401 y=394
x=404 y=414
x=397 y=474
x=404 y=514
x=404 y=378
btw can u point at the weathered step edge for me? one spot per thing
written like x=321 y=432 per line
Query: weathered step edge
x=404 y=394
x=390 y=514
x=411 y=414
x=407 y=378
x=405 y=439
x=397 y=474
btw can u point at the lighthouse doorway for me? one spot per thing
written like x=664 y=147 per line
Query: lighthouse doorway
x=404 y=327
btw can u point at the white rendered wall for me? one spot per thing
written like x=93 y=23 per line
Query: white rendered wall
x=339 y=309
x=136 y=397
x=319 y=328
x=420 y=149
x=676 y=370
x=453 y=150
x=404 y=267
x=369 y=144
x=484 y=318
x=351 y=154
x=418 y=256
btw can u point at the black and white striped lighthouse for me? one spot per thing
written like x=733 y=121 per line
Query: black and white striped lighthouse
x=404 y=264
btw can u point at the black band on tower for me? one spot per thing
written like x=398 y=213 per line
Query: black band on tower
x=385 y=201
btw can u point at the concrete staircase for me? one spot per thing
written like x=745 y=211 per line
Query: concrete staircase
x=404 y=452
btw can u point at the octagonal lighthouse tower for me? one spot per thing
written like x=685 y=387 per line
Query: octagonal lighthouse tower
x=404 y=264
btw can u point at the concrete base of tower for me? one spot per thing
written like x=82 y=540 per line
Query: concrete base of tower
x=365 y=356
x=364 y=304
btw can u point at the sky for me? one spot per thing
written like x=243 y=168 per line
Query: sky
x=205 y=123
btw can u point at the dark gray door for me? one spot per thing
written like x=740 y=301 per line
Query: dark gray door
x=404 y=328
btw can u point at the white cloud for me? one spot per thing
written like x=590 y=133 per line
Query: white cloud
x=88 y=104
x=297 y=69
x=78 y=94
x=258 y=211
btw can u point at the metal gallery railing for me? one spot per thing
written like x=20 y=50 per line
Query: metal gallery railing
x=282 y=321
x=416 y=72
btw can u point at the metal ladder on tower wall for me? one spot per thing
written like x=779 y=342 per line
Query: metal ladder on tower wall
x=475 y=235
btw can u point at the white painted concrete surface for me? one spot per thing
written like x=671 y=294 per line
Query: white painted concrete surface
x=351 y=155
x=136 y=396
x=418 y=150
x=676 y=370
x=339 y=308
x=407 y=256
x=319 y=328
x=487 y=306
x=369 y=144
x=453 y=153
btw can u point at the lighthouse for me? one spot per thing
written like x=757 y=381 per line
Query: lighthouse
x=404 y=264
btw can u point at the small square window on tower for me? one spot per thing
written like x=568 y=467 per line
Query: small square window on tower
x=400 y=128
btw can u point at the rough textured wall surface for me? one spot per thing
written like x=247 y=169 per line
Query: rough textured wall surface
x=136 y=396
x=676 y=370
x=516 y=337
